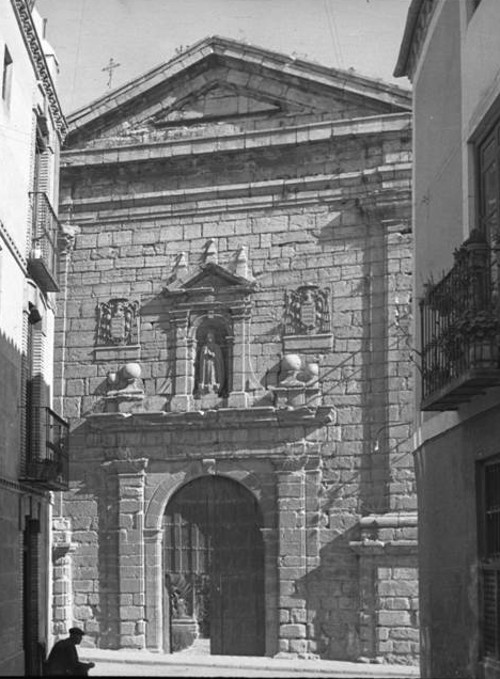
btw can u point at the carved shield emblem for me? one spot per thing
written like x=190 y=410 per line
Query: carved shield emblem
x=116 y=320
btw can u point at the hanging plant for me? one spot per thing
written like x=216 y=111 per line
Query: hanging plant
x=478 y=325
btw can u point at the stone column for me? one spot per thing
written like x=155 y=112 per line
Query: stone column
x=131 y=585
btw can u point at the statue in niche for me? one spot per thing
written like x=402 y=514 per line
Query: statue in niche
x=210 y=366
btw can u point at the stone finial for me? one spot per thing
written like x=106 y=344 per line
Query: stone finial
x=211 y=254
x=289 y=368
x=242 y=262
x=126 y=382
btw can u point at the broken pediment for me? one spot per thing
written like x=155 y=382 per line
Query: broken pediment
x=219 y=81
x=211 y=278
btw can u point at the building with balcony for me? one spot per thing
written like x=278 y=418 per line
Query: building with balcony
x=33 y=440
x=235 y=360
x=451 y=53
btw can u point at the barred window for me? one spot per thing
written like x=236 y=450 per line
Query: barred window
x=489 y=513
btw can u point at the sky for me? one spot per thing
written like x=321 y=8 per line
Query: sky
x=140 y=34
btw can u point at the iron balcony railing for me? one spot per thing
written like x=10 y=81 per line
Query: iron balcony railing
x=460 y=328
x=47 y=463
x=46 y=230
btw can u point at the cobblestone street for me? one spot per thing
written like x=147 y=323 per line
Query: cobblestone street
x=197 y=662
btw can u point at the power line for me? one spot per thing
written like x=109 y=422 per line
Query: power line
x=332 y=27
x=78 y=43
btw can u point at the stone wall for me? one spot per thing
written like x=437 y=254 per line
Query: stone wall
x=332 y=213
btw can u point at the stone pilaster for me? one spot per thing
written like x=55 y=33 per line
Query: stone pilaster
x=388 y=581
x=270 y=537
x=292 y=553
x=131 y=481
x=241 y=331
x=62 y=580
x=184 y=363
x=155 y=601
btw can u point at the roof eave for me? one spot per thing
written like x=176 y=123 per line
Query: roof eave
x=402 y=64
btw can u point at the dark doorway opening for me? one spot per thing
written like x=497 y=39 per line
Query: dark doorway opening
x=214 y=568
x=32 y=660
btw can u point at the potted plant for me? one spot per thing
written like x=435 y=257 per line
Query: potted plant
x=480 y=331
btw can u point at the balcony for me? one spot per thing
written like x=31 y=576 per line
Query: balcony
x=461 y=329
x=47 y=465
x=46 y=230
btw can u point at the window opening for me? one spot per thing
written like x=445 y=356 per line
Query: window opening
x=6 y=75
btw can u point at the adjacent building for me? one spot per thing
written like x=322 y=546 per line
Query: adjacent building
x=32 y=461
x=234 y=359
x=450 y=51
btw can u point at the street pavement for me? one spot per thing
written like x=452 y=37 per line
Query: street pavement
x=127 y=663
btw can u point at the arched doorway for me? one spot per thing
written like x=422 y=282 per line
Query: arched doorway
x=214 y=567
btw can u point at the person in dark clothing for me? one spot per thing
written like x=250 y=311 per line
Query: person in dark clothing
x=63 y=658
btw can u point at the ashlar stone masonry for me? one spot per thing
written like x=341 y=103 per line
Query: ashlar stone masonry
x=234 y=357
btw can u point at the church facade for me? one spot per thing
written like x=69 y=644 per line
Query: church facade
x=235 y=361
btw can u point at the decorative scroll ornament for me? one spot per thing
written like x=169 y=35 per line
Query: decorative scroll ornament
x=116 y=321
x=307 y=311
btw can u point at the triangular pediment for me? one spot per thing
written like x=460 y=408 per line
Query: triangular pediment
x=209 y=103
x=212 y=277
x=218 y=81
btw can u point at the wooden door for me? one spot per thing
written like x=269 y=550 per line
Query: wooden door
x=214 y=560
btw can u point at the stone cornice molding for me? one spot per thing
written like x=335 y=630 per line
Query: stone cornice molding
x=37 y=56
x=381 y=547
x=223 y=418
x=106 y=153
x=252 y=195
x=372 y=543
x=390 y=520
x=127 y=467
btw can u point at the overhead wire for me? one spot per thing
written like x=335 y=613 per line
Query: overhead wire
x=332 y=27
x=77 y=55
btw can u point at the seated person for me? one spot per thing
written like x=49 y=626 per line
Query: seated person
x=63 y=658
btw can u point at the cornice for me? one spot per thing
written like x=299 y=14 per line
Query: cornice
x=390 y=183
x=20 y=488
x=419 y=17
x=224 y=418
x=109 y=153
x=35 y=50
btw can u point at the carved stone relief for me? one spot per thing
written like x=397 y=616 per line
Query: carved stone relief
x=117 y=321
x=307 y=310
x=306 y=322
